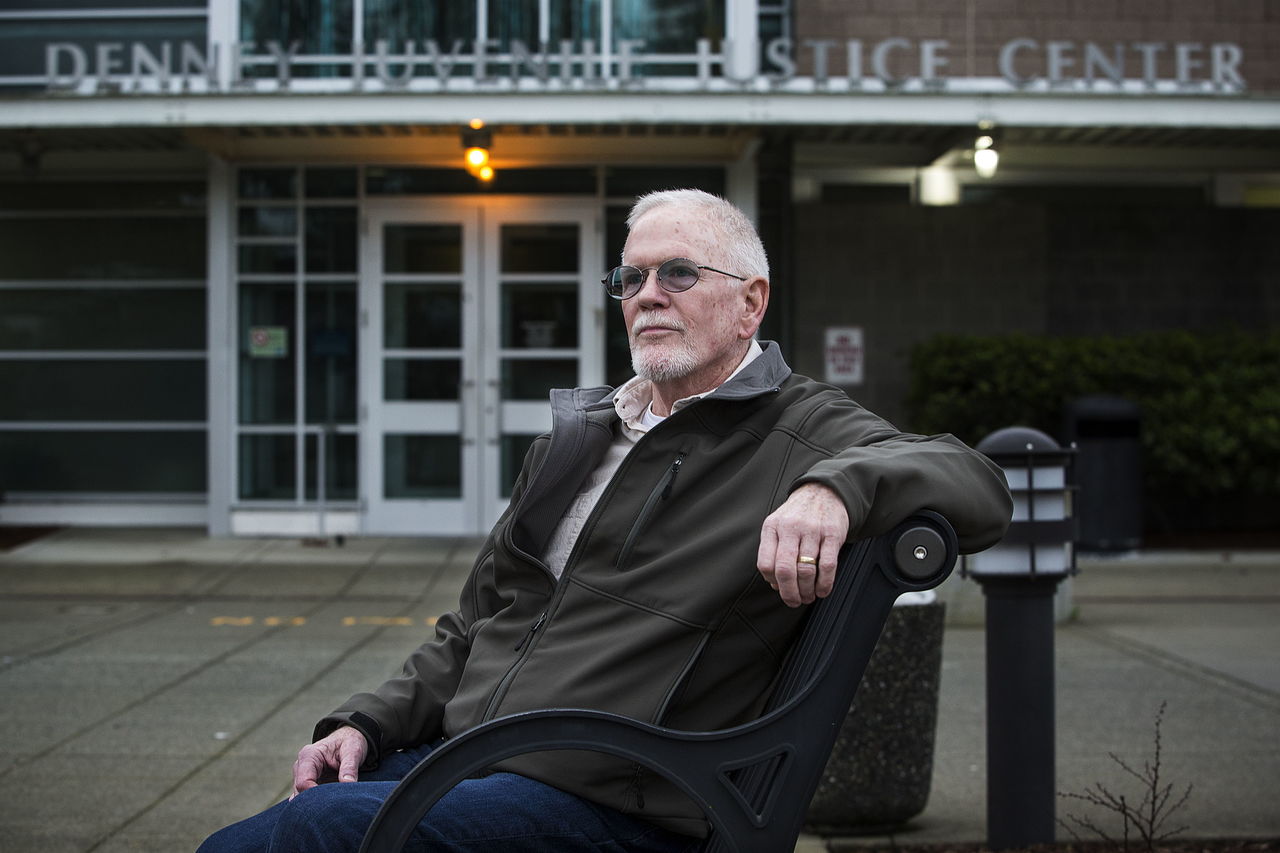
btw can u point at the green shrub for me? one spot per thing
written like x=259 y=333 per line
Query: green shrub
x=1210 y=402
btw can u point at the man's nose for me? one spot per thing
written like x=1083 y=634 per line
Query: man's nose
x=650 y=292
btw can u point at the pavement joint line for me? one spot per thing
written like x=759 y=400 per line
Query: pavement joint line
x=190 y=598
x=1255 y=694
x=102 y=630
x=1175 y=599
x=248 y=557
x=275 y=709
x=10 y=661
x=186 y=676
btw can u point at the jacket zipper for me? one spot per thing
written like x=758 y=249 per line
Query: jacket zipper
x=533 y=629
x=524 y=647
x=660 y=492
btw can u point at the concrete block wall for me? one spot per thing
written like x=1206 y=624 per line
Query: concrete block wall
x=1121 y=270
x=905 y=274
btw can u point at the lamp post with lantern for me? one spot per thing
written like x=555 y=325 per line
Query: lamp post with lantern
x=1019 y=577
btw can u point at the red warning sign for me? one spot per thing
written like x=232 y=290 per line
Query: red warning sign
x=844 y=355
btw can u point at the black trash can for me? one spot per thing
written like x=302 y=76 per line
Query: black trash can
x=1107 y=432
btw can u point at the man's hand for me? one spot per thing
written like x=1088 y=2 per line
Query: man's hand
x=342 y=752
x=812 y=522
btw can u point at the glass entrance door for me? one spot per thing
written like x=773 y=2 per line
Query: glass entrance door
x=471 y=311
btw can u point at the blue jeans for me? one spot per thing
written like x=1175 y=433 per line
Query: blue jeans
x=502 y=812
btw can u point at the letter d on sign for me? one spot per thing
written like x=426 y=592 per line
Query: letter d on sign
x=53 y=52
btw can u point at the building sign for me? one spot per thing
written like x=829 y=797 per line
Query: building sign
x=889 y=65
x=844 y=355
x=268 y=342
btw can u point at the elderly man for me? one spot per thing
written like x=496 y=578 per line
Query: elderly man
x=655 y=561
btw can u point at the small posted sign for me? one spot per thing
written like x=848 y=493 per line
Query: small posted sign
x=844 y=355
x=268 y=341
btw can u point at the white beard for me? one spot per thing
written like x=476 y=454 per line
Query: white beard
x=662 y=362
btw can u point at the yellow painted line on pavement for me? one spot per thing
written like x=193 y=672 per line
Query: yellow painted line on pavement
x=295 y=621
x=348 y=621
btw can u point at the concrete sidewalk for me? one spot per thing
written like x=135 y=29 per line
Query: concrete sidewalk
x=156 y=684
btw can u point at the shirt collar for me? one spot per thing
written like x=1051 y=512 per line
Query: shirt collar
x=633 y=399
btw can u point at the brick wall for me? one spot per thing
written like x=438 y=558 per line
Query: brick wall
x=907 y=273
x=1122 y=270
x=976 y=29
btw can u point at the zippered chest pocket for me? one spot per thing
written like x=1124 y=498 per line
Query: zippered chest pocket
x=661 y=492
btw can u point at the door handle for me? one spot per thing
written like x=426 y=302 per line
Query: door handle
x=495 y=435
x=465 y=393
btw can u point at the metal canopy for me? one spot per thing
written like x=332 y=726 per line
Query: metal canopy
x=622 y=107
x=924 y=135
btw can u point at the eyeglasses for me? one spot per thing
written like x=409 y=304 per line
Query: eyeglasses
x=674 y=276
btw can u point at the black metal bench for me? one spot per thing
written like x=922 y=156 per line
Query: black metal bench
x=754 y=781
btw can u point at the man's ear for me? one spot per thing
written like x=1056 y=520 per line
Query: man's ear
x=755 y=301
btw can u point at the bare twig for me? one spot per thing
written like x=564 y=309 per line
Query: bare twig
x=1148 y=818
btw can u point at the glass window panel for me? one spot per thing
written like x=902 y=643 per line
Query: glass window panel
x=539 y=248
x=421 y=379
x=422 y=316
x=267 y=468
x=415 y=181
x=629 y=182
x=509 y=21
x=331 y=374
x=267 y=366
x=576 y=20
x=674 y=24
x=43 y=194
x=110 y=4
x=341 y=467
x=512 y=449
x=330 y=182
x=401 y=20
x=617 y=346
x=539 y=316
x=381 y=180
x=422 y=466
x=109 y=390
x=543 y=181
x=668 y=26
x=81 y=247
x=268 y=183
x=22 y=42
x=531 y=379
x=422 y=248
x=331 y=239
x=108 y=461
x=771 y=27
x=268 y=221
x=318 y=26
x=271 y=259
x=102 y=319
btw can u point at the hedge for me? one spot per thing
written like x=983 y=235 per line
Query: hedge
x=1210 y=402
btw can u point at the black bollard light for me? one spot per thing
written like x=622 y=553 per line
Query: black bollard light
x=1019 y=577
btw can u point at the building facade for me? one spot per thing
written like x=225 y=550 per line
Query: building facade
x=248 y=282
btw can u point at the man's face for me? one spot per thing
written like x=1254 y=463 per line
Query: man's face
x=676 y=337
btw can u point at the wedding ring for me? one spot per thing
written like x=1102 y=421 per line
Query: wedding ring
x=808 y=561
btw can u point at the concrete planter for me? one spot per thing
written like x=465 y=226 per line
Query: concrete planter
x=881 y=767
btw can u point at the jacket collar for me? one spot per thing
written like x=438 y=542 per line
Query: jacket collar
x=765 y=374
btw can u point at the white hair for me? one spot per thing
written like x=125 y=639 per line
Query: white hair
x=735 y=238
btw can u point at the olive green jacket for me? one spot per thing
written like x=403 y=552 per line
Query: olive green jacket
x=660 y=613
